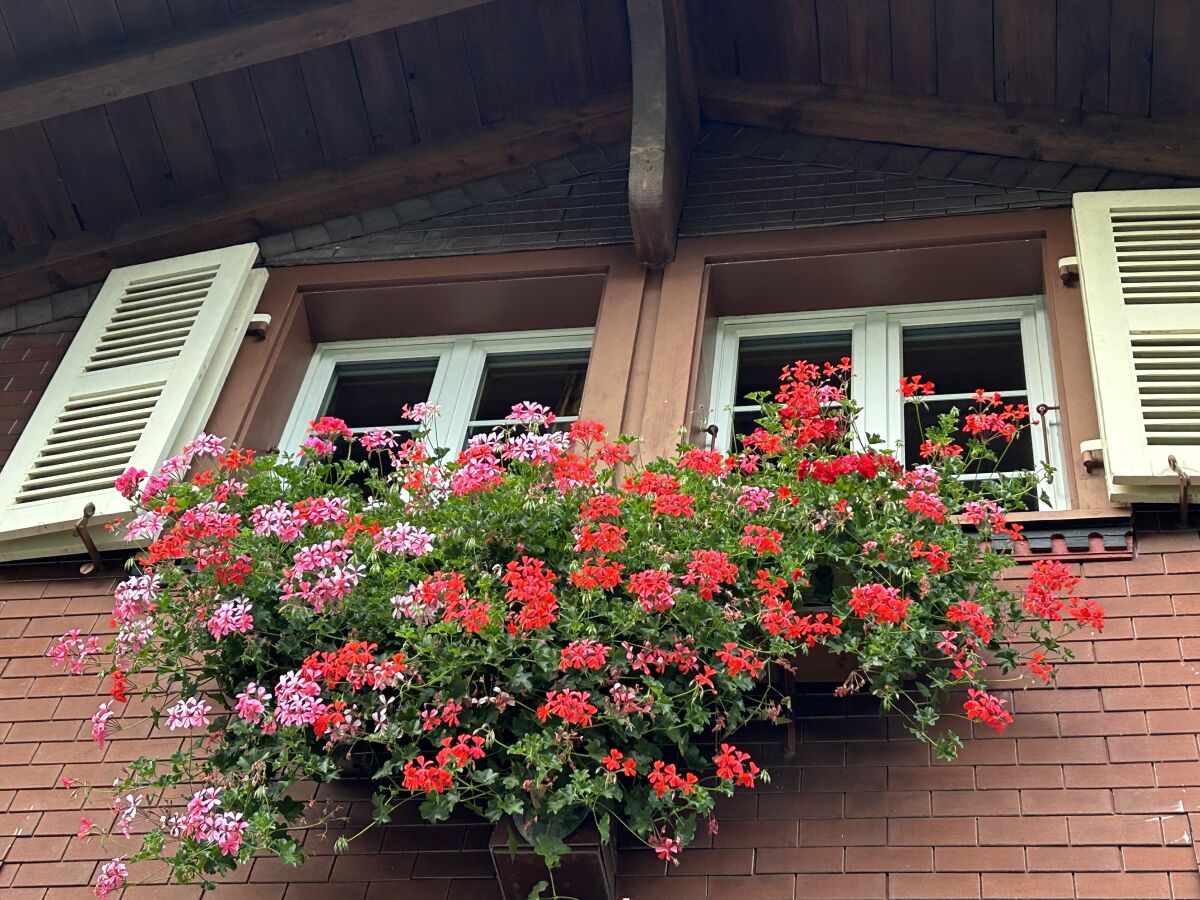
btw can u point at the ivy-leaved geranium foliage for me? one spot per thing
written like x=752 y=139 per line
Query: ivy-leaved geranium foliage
x=542 y=626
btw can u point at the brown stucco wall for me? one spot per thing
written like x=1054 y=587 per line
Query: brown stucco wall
x=1094 y=792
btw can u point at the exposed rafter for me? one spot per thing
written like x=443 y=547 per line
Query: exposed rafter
x=138 y=67
x=327 y=193
x=1088 y=139
x=665 y=119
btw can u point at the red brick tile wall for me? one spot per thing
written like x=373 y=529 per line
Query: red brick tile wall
x=27 y=360
x=1094 y=792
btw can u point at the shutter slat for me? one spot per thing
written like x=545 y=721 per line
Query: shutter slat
x=1139 y=261
x=141 y=377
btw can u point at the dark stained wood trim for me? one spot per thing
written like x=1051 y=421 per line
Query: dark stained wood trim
x=665 y=120
x=138 y=67
x=1083 y=138
x=259 y=210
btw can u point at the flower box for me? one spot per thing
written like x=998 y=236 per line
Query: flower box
x=588 y=872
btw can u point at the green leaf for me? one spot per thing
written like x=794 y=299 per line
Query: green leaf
x=551 y=848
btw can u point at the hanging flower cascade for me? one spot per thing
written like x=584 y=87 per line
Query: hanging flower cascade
x=543 y=627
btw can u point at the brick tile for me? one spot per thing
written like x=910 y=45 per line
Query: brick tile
x=1185 y=885
x=1124 y=884
x=1176 y=774
x=1028 y=776
x=927 y=887
x=1144 y=564
x=751 y=887
x=1061 y=750
x=1123 y=775
x=1078 y=700
x=656 y=887
x=1139 y=650
x=1006 y=886
x=799 y=859
x=800 y=806
x=973 y=803
x=760 y=833
x=249 y=892
x=1153 y=748
x=1169 y=541
x=910 y=778
x=1073 y=859
x=53 y=873
x=1159 y=584
x=1035 y=802
x=890 y=753
x=889 y=859
x=1156 y=800
x=998 y=752
x=423 y=837
x=941 y=832
x=979 y=859
x=1167 y=626
x=1086 y=830
x=381 y=867
x=36 y=849
x=1136 y=698
x=1015 y=831
x=841 y=887
x=888 y=804
x=870 y=778
x=1136 y=606
x=1178 y=672
x=271 y=869
x=844 y=833
x=1158 y=859
x=468 y=864
x=1098 y=675
x=1182 y=562
x=716 y=862
x=1088 y=724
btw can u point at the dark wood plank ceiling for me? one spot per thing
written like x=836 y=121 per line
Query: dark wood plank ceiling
x=1128 y=57
x=92 y=170
x=74 y=186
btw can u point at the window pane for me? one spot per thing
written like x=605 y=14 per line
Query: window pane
x=760 y=360
x=551 y=379
x=744 y=423
x=1015 y=457
x=958 y=359
x=368 y=395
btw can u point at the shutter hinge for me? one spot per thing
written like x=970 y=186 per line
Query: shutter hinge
x=1068 y=269
x=260 y=324
x=1184 y=483
x=81 y=532
x=1093 y=455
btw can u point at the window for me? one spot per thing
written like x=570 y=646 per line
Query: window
x=995 y=344
x=475 y=379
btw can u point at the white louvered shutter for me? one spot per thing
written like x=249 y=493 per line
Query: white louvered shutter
x=1139 y=265
x=140 y=378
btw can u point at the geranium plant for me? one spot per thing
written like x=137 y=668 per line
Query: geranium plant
x=543 y=627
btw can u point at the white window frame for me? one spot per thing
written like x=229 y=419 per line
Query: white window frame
x=457 y=380
x=876 y=346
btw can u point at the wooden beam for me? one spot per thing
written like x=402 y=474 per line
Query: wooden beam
x=665 y=120
x=1083 y=138
x=262 y=210
x=138 y=67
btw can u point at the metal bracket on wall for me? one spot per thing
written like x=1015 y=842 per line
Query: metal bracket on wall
x=81 y=532
x=1068 y=270
x=1184 y=483
x=1041 y=409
